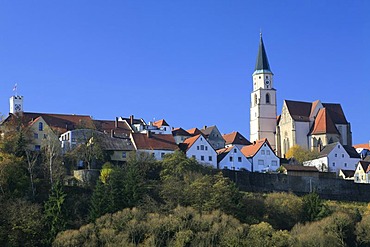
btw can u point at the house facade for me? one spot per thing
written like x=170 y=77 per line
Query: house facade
x=199 y=148
x=214 y=137
x=262 y=156
x=334 y=157
x=362 y=172
x=233 y=159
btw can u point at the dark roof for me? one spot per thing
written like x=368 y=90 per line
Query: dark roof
x=300 y=111
x=300 y=168
x=336 y=113
x=115 y=144
x=180 y=132
x=236 y=138
x=207 y=130
x=119 y=127
x=154 y=141
x=262 y=63
x=350 y=150
x=348 y=173
x=365 y=165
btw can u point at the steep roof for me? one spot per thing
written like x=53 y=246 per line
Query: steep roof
x=58 y=122
x=208 y=130
x=186 y=145
x=251 y=150
x=336 y=113
x=299 y=110
x=194 y=131
x=324 y=124
x=180 y=132
x=350 y=150
x=365 y=165
x=154 y=141
x=221 y=153
x=160 y=123
x=348 y=173
x=262 y=63
x=236 y=138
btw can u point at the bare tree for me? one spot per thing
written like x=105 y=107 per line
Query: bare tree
x=32 y=157
x=53 y=155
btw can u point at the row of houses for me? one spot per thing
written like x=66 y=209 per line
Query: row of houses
x=123 y=135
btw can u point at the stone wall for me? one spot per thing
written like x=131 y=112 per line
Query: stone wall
x=327 y=188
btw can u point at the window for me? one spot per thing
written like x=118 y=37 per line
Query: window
x=239 y=159
x=41 y=126
x=35 y=136
x=45 y=136
x=345 y=164
x=197 y=147
x=162 y=155
x=267 y=152
x=263 y=152
x=333 y=163
x=336 y=155
x=202 y=158
x=206 y=148
x=209 y=158
x=37 y=147
x=124 y=155
x=255 y=99
x=342 y=155
x=231 y=158
x=235 y=150
x=267 y=98
x=201 y=147
x=274 y=163
x=225 y=167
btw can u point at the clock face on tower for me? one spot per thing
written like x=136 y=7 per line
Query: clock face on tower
x=17 y=107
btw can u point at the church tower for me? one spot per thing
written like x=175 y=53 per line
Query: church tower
x=16 y=104
x=263 y=100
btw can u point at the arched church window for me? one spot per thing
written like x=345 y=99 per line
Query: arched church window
x=267 y=98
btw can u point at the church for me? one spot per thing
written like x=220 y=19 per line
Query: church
x=311 y=125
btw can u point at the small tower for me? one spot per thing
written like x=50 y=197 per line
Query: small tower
x=263 y=100
x=16 y=104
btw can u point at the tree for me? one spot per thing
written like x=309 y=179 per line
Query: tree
x=52 y=151
x=283 y=210
x=32 y=159
x=313 y=207
x=54 y=210
x=301 y=154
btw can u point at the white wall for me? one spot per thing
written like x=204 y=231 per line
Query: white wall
x=265 y=160
x=208 y=153
x=235 y=160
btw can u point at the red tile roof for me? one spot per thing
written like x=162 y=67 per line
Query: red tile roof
x=160 y=123
x=236 y=138
x=364 y=145
x=154 y=142
x=180 y=132
x=324 y=124
x=251 y=150
x=59 y=123
x=119 y=127
x=189 y=142
x=194 y=131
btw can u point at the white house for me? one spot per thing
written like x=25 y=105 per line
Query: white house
x=199 y=148
x=362 y=172
x=261 y=156
x=334 y=157
x=235 y=139
x=232 y=158
x=180 y=135
x=157 y=145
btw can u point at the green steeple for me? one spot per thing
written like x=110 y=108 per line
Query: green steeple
x=262 y=64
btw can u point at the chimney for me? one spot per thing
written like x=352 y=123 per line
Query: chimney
x=132 y=119
x=148 y=134
x=205 y=127
x=116 y=123
x=112 y=133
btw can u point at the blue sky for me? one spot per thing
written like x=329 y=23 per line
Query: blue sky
x=190 y=62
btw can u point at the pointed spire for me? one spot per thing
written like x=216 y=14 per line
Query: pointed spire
x=262 y=64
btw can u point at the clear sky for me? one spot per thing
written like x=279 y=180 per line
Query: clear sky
x=190 y=62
